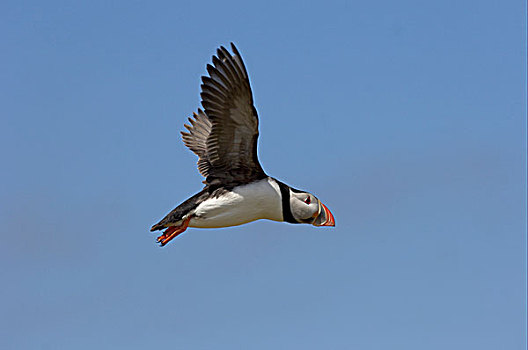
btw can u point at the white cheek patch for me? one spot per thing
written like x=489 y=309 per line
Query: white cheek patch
x=301 y=210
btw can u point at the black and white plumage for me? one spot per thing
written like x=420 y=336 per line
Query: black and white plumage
x=224 y=137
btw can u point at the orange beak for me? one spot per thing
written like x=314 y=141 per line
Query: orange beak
x=325 y=217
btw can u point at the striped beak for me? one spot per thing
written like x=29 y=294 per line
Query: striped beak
x=325 y=217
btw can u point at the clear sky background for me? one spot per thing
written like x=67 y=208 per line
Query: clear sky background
x=407 y=119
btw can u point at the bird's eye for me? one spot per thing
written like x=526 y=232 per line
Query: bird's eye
x=307 y=200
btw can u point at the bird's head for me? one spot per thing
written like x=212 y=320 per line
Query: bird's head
x=307 y=209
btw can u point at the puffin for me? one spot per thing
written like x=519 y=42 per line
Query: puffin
x=224 y=137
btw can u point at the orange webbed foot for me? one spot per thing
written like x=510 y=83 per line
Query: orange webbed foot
x=172 y=232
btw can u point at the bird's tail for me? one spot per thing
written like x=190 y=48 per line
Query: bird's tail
x=159 y=226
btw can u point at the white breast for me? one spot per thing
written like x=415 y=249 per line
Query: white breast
x=259 y=200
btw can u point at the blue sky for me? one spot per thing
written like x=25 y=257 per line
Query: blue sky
x=407 y=119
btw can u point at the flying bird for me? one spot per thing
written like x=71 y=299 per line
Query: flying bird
x=224 y=137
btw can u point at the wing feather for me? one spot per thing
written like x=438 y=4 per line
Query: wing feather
x=196 y=139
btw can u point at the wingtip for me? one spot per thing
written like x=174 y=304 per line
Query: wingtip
x=209 y=67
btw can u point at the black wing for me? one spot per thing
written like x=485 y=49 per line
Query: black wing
x=224 y=136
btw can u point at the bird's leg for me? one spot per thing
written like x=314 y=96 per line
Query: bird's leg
x=172 y=232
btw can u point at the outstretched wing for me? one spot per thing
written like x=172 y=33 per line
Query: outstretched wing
x=225 y=135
